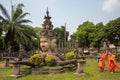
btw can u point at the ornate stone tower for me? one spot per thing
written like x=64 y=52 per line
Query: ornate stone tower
x=47 y=23
x=47 y=27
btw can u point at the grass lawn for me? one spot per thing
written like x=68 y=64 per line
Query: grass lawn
x=91 y=73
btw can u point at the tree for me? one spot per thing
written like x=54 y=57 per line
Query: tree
x=36 y=42
x=61 y=34
x=98 y=34
x=85 y=33
x=2 y=43
x=15 y=26
x=112 y=31
x=37 y=30
x=99 y=25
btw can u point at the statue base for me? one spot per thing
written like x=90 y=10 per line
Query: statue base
x=15 y=76
x=79 y=74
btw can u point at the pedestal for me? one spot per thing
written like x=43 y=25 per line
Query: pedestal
x=7 y=63
x=80 y=67
x=16 y=71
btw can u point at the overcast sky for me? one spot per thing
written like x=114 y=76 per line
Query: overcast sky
x=71 y=12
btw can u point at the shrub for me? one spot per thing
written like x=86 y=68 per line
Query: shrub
x=118 y=54
x=70 y=55
x=36 y=59
x=50 y=61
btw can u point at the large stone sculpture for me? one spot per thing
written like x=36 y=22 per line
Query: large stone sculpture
x=48 y=42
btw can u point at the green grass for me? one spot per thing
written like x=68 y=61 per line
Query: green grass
x=91 y=73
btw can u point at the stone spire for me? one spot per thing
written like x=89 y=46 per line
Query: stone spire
x=47 y=24
x=47 y=12
x=47 y=27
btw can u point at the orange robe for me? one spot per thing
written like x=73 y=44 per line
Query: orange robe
x=112 y=63
x=101 y=63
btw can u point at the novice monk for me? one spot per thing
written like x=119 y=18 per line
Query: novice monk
x=112 y=63
x=101 y=63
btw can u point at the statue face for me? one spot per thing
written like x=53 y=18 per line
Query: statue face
x=45 y=44
x=54 y=44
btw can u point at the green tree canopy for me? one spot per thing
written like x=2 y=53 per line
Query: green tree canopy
x=85 y=33
x=112 y=31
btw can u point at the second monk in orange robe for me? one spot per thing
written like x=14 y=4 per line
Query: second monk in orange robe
x=112 y=65
x=101 y=63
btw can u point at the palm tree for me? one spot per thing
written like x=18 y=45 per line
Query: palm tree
x=15 y=26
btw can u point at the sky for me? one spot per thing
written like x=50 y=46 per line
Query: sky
x=69 y=12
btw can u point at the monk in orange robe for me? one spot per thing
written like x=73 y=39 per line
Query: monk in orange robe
x=101 y=63
x=112 y=65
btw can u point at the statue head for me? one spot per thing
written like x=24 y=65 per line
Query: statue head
x=53 y=44
x=45 y=44
x=48 y=41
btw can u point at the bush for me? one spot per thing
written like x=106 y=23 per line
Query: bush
x=118 y=54
x=36 y=59
x=70 y=55
x=50 y=61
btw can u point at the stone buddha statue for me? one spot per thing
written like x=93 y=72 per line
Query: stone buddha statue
x=48 y=42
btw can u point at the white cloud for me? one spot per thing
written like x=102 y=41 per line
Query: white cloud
x=110 y=5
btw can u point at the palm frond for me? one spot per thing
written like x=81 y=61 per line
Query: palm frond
x=6 y=25
x=19 y=6
x=1 y=18
x=24 y=34
x=18 y=34
x=23 y=21
x=4 y=12
x=17 y=13
x=20 y=37
x=28 y=29
x=22 y=16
